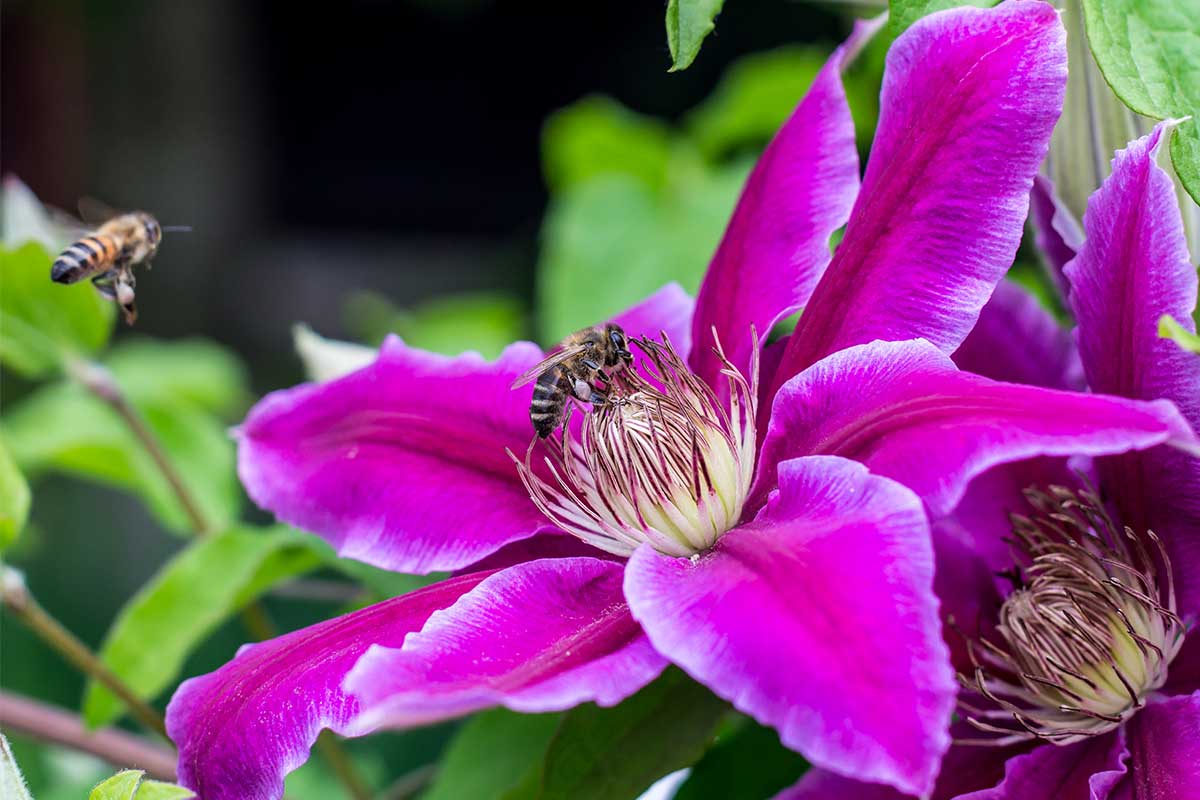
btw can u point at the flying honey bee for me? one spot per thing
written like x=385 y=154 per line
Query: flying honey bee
x=108 y=255
x=572 y=370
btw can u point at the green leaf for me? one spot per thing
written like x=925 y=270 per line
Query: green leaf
x=122 y=786
x=14 y=498
x=12 y=785
x=492 y=754
x=42 y=323
x=688 y=22
x=609 y=242
x=1149 y=52
x=128 y=785
x=161 y=790
x=1169 y=328
x=599 y=136
x=756 y=94
x=184 y=602
x=749 y=764
x=902 y=13
x=199 y=372
x=64 y=428
x=615 y=753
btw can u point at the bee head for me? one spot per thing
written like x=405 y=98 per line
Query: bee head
x=620 y=345
x=153 y=230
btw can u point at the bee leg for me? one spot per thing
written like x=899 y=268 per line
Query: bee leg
x=105 y=284
x=125 y=297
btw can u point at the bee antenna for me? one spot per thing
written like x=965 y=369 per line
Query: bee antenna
x=177 y=228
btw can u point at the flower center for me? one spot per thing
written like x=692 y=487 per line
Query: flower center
x=1088 y=633
x=663 y=461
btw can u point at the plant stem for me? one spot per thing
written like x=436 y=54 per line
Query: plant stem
x=333 y=752
x=16 y=597
x=101 y=383
x=411 y=783
x=49 y=724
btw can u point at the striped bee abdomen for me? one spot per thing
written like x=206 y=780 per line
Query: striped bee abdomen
x=549 y=397
x=85 y=258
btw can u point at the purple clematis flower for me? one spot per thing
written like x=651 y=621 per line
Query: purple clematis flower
x=792 y=577
x=1087 y=684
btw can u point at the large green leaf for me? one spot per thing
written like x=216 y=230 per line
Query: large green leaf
x=599 y=136
x=14 y=498
x=615 y=753
x=492 y=754
x=184 y=602
x=178 y=388
x=1149 y=52
x=748 y=763
x=688 y=22
x=129 y=785
x=902 y=13
x=64 y=428
x=12 y=784
x=196 y=371
x=609 y=242
x=42 y=323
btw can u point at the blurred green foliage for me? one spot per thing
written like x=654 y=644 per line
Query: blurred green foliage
x=636 y=204
x=184 y=392
x=724 y=771
x=485 y=322
x=14 y=498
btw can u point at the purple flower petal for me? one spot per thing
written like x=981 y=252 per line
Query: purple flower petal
x=668 y=310
x=777 y=242
x=400 y=464
x=969 y=99
x=1164 y=748
x=905 y=410
x=1133 y=268
x=1088 y=769
x=242 y=728
x=1055 y=230
x=1018 y=341
x=817 y=618
x=540 y=636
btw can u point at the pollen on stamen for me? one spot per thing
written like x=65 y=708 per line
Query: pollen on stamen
x=663 y=461
x=1089 y=632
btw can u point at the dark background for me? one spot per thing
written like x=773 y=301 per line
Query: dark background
x=365 y=144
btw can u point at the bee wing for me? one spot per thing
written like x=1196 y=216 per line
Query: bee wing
x=70 y=227
x=94 y=212
x=549 y=361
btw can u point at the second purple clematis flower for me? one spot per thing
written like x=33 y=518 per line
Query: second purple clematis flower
x=763 y=528
x=1081 y=679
